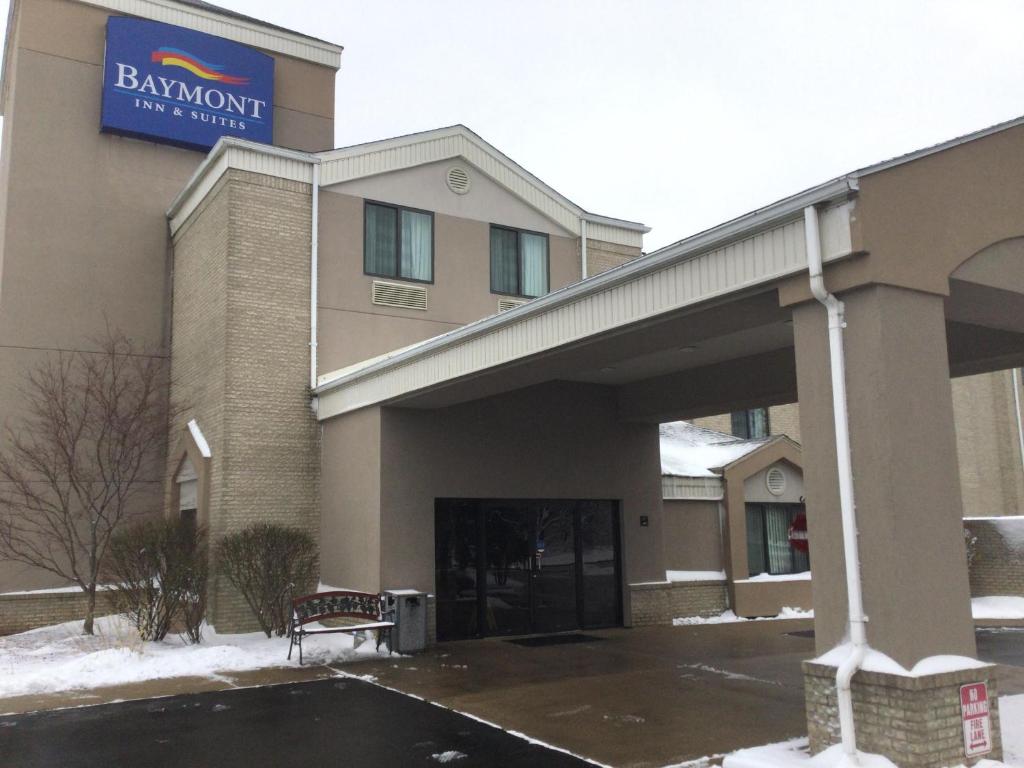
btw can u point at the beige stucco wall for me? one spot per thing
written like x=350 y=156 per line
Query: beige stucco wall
x=239 y=359
x=767 y=598
x=692 y=535
x=745 y=481
x=85 y=237
x=900 y=408
x=553 y=441
x=350 y=529
x=351 y=328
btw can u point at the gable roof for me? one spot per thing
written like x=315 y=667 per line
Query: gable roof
x=362 y=160
x=458 y=141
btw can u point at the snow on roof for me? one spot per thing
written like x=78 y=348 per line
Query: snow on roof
x=691 y=451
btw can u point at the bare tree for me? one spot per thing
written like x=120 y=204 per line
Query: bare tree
x=83 y=459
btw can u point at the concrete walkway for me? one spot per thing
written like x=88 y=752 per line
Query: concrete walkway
x=632 y=698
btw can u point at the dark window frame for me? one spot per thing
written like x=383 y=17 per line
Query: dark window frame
x=761 y=509
x=519 y=261
x=745 y=417
x=398 y=241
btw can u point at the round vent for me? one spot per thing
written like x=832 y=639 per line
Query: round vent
x=776 y=481
x=458 y=180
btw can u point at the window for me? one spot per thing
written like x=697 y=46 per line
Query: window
x=751 y=424
x=519 y=262
x=768 y=547
x=398 y=242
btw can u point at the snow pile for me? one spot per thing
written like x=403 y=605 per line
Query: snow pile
x=447 y=757
x=876 y=661
x=694 y=575
x=790 y=754
x=1011 y=719
x=60 y=658
x=691 y=451
x=731 y=618
x=998 y=607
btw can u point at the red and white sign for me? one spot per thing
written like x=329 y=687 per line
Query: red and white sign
x=977 y=725
x=798 y=533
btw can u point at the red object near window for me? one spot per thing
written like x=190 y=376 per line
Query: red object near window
x=798 y=533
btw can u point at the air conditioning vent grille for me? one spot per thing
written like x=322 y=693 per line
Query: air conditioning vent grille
x=504 y=305
x=399 y=295
x=776 y=481
x=458 y=180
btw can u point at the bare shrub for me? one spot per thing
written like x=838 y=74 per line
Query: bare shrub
x=158 y=570
x=81 y=461
x=265 y=562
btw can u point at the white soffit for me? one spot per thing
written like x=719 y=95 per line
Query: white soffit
x=240 y=30
x=734 y=257
x=349 y=163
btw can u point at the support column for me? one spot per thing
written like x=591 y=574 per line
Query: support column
x=909 y=514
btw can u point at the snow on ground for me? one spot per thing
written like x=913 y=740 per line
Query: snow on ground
x=998 y=607
x=731 y=618
x=1011 y=720
x=794 y=754
x=60 y=658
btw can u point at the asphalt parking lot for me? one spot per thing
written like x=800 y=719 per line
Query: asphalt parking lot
x=321 y=723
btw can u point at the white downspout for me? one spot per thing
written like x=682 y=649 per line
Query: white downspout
x=313 y=274
x=1015 y=375
x=583 y=249
x=855 y=601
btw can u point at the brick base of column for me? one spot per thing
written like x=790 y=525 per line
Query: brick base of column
x=913 y=721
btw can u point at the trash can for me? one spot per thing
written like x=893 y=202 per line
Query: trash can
x=409 y=634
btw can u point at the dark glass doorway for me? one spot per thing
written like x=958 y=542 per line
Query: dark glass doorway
x=514 y=567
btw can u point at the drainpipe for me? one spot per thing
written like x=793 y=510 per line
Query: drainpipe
x=583 y=249
x=858 y=636
x=1015 y=375
x=313 y=270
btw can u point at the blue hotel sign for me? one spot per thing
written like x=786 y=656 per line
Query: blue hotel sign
x=178 y=86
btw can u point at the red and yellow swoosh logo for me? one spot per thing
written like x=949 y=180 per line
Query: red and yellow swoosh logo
x=175 y=57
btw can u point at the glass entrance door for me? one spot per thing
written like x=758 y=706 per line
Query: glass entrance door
x=507 y=567
x=553 y=579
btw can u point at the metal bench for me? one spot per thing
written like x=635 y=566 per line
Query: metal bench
x=339 y=605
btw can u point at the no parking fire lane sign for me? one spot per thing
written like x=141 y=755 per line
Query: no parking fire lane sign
x=977 y=725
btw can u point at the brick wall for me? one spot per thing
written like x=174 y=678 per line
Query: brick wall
x=602 y=256
x=19 y=613
x=785 y=420
x=914 y=721
x=240 y=360
x=659 y=603
x=998 y=564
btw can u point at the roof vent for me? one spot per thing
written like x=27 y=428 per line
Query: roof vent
x=457 y=179
x=504 y=305
x=775 y=480
x=399 y=295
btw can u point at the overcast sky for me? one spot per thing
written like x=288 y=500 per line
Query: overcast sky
x=677 y=114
